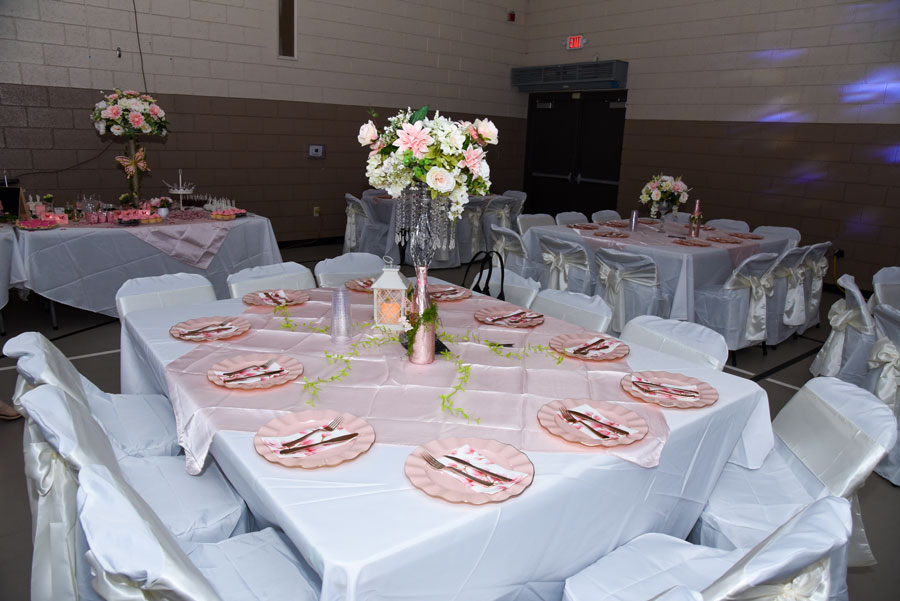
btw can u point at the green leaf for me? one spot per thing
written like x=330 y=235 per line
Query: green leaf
x=419 y=114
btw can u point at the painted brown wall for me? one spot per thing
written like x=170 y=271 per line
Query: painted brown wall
x=254 y=151
x=832 y=181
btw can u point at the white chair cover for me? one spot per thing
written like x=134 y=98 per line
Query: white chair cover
x=157 y=292
x=795 y=562
x=825 y=415
x=336 y=271
x=511 y=247
x=883 y=378
x=786 y=309
x=526 y=221
x=589 y=312
x=356 y=217
x=605 y=215
x=289 y=275
x=516 y=289
x=886 y=283
x=684 y=339
x=629 y=283
x=502 y=211
x=135 y=558
x=567 y=217
x=365 y=232
x=136 y=424
x=816 y=269
x=564 y=264
x=737 y=310
x=517 y=194
x=469 y=237
x=734 y=225
x=846 y=351
x=793 y=234
x=679 y=217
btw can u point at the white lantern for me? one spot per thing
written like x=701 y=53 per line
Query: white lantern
x=389 y=292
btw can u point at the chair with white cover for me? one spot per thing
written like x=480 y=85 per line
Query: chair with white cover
x=517 y=194
x=469 y=237
x=349 y=266
x=801 y=560
x=502 y=211
x=370 y=193
x=846 y=350
x=133 y=556
x=786 y=309
x=828 y=439
x=684 y=339
x=563 y=263
x=526 y=221
x=605 y=215
x=629 y=283
x=364 y=233
x=511 y=247
x=886 y=283
x=589 y=312
x=816 y=269
x=734 y=225
x=62 y=438
x=737 y=309
x=679 y=217
x=517 y=290
x=137 y=424
x=286 y=276
x=791 y=233
x=567 y=217
x=160 y=291
x=883 y=379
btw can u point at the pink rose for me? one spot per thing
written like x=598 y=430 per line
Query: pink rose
x=376 y=147
x=156 y=111
x=368 y=133
x=112 y=112
x=472 y=157
x=136 y=119
x=113 y=96
x=487 y=131
x=130 y=93
x=414 y=138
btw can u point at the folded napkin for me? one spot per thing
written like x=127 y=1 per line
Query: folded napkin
x=608 y=347
x=470 y=455
x=448 y=293
x=514 y=317
x=665 y=390
x=279 y=295
x=588 y=410
x=277 y=443
x=208 y=334
x=364 y=283
x=252 y=374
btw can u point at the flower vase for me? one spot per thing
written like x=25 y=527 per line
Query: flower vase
x=163 y=212
x=695 y=228
x=422 y=343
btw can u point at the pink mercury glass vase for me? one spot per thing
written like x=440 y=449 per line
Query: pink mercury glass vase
x=423 y=342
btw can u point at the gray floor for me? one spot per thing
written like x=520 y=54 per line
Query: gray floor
x=92 y=341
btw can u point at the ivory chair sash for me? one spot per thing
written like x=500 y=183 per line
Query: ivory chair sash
x=786 y=310
x=684 y=339
x=567 y=217
x=883 y=378
x=356 y=217
x=502 y=212
x=797 y=561
x=527 y=221
x=516 y=289
x=793 y=234
x=155 y=292
x=133 y=557
x=629 y=283
x=589 y=312
x=289 y=275
x=565 y=264
x=336 y=271
x=886 y=283
x=846 y=351
x=816 y=269
x=605 y=215
x=734 y=225
x=511 y=247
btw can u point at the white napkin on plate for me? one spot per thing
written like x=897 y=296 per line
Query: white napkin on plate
x=251 y=371
x=213 y=332
x=594 y=352
x=588 y=410
x=277 y=443
x=663 y=393
x=472 y=456
x=278 y=294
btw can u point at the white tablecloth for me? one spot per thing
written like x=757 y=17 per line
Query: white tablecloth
x=682 y=269
x=12 y=270
x=84 y=267
x=371 y=535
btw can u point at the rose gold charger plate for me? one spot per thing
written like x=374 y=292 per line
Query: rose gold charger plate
x=746 y=236
x=292 y=297
x=439 y=484
x=291 y=370
x=648 y=221
x=550 y=418
x=444 y=293
x=583 y=226
x=706 y=394
x=697 y=243
x=360 y=284
x=235 y=327
x=611 y=234
x=724 y=240
x=326 y=455
x=704 y=227
x=615 y=223
x=530 y=319
x=563 y=341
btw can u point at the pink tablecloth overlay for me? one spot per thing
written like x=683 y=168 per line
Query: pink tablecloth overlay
x=402 y=400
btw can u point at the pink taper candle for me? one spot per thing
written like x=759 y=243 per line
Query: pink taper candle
x=697 y=207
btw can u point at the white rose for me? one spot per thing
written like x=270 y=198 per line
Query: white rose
x=440 y=179
x=655 y=195
x=683 y=198
x=117 y=130
x=100 y=126
x=487 y=130
x=485 y=170
x=368 y=133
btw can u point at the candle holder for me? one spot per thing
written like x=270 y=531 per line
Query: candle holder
x=389 y=292
x=694 y=224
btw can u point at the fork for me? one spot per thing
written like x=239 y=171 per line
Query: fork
x=264 y=367
x=567 y=415
x=212 y=325
x=594 y=346
x=329 y=427
x=437 y=465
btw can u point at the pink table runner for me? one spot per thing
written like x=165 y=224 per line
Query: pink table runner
x=402 y=400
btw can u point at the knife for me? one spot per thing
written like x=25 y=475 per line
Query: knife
x=586 y=348
x=644 y=386
x=602 y=423
x=502 y=317
x=267 y=373
x=343 y=438
x=482 y=470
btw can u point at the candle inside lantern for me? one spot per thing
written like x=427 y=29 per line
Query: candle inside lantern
x=697 y=207
x=390 y=312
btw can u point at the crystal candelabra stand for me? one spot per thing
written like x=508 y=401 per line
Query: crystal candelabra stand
x=423 y=224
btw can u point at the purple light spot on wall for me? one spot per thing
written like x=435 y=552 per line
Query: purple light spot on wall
x=782 y=116
x=863 y=92
x=779 y=55
x=889 y=74
x=890 y=154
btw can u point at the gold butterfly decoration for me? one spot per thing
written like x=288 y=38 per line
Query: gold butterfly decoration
x=132 y=164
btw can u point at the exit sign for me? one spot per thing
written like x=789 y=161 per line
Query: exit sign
x=576 y=42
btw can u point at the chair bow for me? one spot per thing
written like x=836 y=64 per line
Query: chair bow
x=505 y=245
x=886 y=356
x=612 y=279
x=760 y=288
x=795 y=301
x=828 y=361
x=135 y=163
x=560 y=263
x=811 y=584
x=503 y=214
x=817 y=272
x=353 y=210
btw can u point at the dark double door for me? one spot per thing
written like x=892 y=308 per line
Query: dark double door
x=574 y=151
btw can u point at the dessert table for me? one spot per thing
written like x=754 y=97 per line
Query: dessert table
x=682 y=269
x=365 y=529
x=84 y=265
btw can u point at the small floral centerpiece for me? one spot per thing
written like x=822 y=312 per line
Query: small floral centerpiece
x=163 y=202
x=664 y=189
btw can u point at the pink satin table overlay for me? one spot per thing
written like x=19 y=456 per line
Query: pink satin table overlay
x=401 y=400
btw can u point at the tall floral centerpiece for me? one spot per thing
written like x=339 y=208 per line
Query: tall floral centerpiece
x=130 y=114
x=429 y=166
x=665 y=193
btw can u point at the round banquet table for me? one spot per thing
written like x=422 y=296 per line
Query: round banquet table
x=12 y=270
x=84 y=266
x=365 y=529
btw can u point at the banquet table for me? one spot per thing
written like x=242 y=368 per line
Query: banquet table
x=367 y=531
x=83 y=265
x=682 y=269
x=12 y=270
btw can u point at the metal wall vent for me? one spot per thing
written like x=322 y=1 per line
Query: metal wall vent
x=598 y=75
